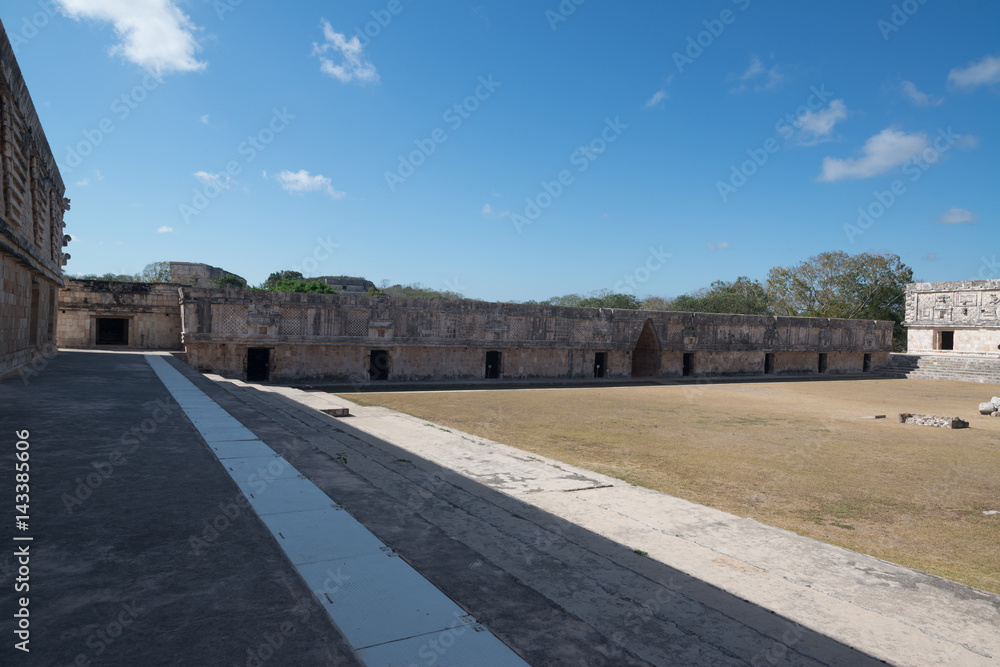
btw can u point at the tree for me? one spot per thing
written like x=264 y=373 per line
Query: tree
x=157 y=272
x=229 y=281
x=314 y=287
x=866 y=286
x=278 y=276
x=743 y=297
x=110 y=277
x=606 y=299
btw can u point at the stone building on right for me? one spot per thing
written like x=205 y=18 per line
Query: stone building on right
x=953 y=317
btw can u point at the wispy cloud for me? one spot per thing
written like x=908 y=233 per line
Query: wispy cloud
x=154 y=34
x=300 y=182
x=817 y=126
x=487 y=212
x=887 y=149
x=203 y=120
x=956 y=216
x=353 y=63
x=918 y=97
x=83 y=182
x=721 y=245
x=165 y=230
x=655 y=100
x=223 y=180
x=756 y=75
x=931 y=257
x=982 y=72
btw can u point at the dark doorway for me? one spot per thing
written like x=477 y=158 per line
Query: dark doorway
x=822 y=362
x=33 y=316
x=600 y=364
x=867 y=363
x=258 y=364
x=769 y=363
x=378 y=368
x=947 y=340
x=112 y=331
x=493 y=359
x=688 y=364
x=646 y=356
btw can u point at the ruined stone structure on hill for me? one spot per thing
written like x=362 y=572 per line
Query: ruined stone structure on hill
x=294 y=337
x=32 y=206
x=959 y=317
x=346 y=284
x=197 y=275
x=99 y=313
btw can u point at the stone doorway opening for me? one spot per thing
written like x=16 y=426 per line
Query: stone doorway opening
x=866 y=364
x=600 y=364
x=821 y=368
x=493 y=359
x=112 y=331
x=258 y=364
x=687 y=364
x=646 y=356
x=378 y=366
x=769 y=363
x=947 y=340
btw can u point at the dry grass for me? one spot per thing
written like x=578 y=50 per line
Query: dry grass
x=795 y=455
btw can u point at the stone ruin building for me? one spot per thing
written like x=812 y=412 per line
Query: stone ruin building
x=32 y=206
x=288 y=337
x=958 y=317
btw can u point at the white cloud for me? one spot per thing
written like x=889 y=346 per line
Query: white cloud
x=655 y=100
x=956 y=216
x=887 y=149
x=83 y=183
x=817 y=126
x=983 y=72
x=721 y=245
x=203 y=120
x=154 y=34
x=487 y=210
x=99 y=175
x=354 y=65
x=302 y=181
x=165 y=230
x=763 y=79
x=918 y=97
x=223 y=180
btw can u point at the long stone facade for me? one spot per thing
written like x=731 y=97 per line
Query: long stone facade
x=98 y=313
x=953 y=317
x=345 y=338
x=32 y=205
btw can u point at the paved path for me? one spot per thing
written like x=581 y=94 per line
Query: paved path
x=149 y=568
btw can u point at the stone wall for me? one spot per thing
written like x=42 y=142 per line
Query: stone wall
x=967 y=312
x=315 y=336
x=196 y=275
x=32 y=206
x=151 y=309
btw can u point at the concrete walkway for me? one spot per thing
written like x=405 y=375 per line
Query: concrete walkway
x=164 y=562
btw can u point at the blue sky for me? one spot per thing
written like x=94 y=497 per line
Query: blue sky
x=516 y=151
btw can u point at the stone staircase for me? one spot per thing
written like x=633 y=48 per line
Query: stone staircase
x=956 y=368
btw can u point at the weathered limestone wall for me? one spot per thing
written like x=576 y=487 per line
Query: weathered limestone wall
x=32 y=206
x=152 y=311
x=970 y=309
x=449 y=340
x=195 y=274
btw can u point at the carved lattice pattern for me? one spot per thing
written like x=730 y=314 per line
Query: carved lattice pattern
x=357 y=323
x=293 y=322
x=229 y=318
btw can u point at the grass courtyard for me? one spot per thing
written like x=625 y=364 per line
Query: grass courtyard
x=797 y=455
